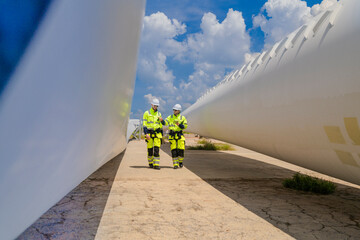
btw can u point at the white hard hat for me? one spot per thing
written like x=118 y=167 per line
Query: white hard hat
x=155 y=101
x=177 y=107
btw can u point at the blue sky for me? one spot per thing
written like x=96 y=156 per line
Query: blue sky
x=188 y=46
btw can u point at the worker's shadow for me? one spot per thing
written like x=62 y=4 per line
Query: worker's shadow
x=149 y=167
x=258 y=187
x=78 y=214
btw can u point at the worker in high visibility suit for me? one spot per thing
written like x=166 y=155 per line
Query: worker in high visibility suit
x=177 y=123
x=152 y=121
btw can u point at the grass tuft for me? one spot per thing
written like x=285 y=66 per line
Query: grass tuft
x=203 y=141
x=207 y=145
x=309 y=184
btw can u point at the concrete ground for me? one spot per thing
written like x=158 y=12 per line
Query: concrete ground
x=217 y=195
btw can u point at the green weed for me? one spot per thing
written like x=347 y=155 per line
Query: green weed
x=208 y=145
x=309 y=184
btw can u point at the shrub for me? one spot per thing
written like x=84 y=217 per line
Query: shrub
x=202 y=141
x=309 y=184
x=224 y=147
x=207 y=145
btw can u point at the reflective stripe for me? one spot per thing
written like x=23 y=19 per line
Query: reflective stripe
x=175 y=161
x=156 y=161
x=150 y=159
x=181 y=159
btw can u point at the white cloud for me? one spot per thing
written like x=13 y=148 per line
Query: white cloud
x=218 y=46
x=158 y=43
x=220 y=43
x=284 y=17
x=278 y=18
x=323 y=6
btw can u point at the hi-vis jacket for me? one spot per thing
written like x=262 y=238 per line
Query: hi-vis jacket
x=176 y=130
x=151 y=123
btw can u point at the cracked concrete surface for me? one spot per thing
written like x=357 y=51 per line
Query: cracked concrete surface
x=78 y=214
x=301 y=215
x=217 y=195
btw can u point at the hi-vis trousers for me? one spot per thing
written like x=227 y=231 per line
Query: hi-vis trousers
x=177 y=146
x=153 y=147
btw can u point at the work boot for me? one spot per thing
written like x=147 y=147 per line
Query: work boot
x=181 y=164
x=150 y=165
x=175 y=167
x=157 y=167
